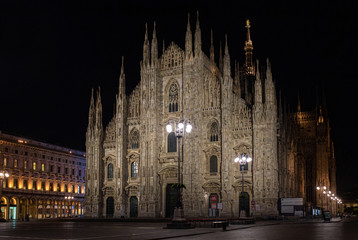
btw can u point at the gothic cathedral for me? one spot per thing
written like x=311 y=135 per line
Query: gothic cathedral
x=132 y=164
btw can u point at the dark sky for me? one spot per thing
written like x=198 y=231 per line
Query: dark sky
x=52 y=53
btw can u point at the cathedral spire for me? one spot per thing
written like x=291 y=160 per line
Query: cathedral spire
x=188 y=40
x=227 y=67
x=146 y=47
x=249 y=65
x=154 y=52
x=212 y=53
x=237 y=79
x=98 y=122
x=122 y=79
x=220 y=59
x=270 y=94
x=121 y=90
x=197 y=43
x=258 y=85
x=91 y=114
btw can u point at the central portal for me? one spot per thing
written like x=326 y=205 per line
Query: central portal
x=244 y=204
x=171 y=200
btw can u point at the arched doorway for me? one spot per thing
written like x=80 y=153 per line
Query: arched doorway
x=3 y=203
x=171 y=200
x=244 y=204
x=13 y=209
x=109 y=207
x=213 y=200
x=24 y=208
x=33 y=209
x=133 y=206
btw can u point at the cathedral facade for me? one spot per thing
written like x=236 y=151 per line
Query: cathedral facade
x=132 y=163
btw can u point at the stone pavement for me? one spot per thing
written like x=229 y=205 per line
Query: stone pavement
x=93 y=229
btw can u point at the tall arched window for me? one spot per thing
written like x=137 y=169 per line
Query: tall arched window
x=213 y=164
x=173 y=98
x=134 y=140
x=134 y=169
x=214 y=132
x=172 y=142
x=110 y=171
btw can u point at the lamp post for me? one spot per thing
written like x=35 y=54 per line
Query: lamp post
x=243 y=159
x=179 y=133
x=3 y=175
x=69 y=198
x=321 y=188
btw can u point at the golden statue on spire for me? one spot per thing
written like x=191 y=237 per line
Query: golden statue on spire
x=248 y=23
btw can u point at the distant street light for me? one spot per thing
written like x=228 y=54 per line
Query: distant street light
x=68 y=198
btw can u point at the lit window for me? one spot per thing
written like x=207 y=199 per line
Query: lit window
x=34 y=165
x=134 y=169
x=5 y=162
x=15 y=163
x=15 y=185
x=43 y=167
x=78 y=189
x=25 y=164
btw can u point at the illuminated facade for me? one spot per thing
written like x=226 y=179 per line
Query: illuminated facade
x=42 y=177
x=307 y=159
x=132 y=163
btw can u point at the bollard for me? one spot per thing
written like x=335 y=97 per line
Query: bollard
x=224 y=226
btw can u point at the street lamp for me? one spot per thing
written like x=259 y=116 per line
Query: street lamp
x=322 y=189
x=3 y=175
x=243 y=159
x=179 y=133
x=69 y=198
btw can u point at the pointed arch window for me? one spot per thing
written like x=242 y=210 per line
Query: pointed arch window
x=134 y=140
x=214 y=132
x=173 y=98
x=134 y=169
x=172 y=142
x=213 y=164
x=110 y=171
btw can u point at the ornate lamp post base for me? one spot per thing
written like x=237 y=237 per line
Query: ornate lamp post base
x=242 y=213
x=178 y=221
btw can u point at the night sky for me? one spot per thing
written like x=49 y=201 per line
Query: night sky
x=52 y=53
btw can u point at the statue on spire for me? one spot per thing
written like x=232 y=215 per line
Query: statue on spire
x=249 y=65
